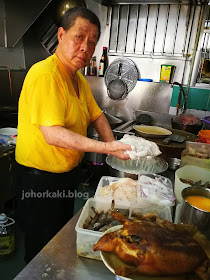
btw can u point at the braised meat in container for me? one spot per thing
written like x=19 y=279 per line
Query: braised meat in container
x=151 y=246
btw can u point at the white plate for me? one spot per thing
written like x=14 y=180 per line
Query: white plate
x=112 y=262
x=151 y=131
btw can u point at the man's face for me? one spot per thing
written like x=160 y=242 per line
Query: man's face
x=77 y=44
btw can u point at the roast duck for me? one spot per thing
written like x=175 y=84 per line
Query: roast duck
x=151 y=246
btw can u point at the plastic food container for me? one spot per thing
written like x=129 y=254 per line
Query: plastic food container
x=106 y=181
x=87 y=238
x=206 y=120
x=196 y=154
x=189 y=172
x=143 y=208
x=204 y=135
x=158 y=199
x=155 y=189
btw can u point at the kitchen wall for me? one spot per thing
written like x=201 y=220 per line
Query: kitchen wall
x=145 y=96
x=198 y=102
x=150 y=96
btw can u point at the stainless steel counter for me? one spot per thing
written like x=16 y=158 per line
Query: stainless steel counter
x=59 y=260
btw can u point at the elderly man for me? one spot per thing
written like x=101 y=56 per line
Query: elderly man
x=55 y=108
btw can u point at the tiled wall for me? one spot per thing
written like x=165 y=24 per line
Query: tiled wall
x=198 y=101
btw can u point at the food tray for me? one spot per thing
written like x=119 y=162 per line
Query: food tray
x=87 y=238
x=189 y=172
x=106 y=180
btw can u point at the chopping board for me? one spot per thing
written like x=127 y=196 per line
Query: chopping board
x=189 y=137
x=173 y=149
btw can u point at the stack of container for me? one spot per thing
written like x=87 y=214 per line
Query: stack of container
x=87 y=238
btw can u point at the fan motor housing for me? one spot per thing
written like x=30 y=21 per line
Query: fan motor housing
x=129 y=75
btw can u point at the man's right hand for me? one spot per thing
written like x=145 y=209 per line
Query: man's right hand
x=118 y=149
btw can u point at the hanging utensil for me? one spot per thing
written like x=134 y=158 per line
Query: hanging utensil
x=121 y=70
x=117 y=88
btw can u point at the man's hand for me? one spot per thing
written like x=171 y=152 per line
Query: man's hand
x=118 y=149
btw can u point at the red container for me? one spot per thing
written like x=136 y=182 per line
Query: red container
x=204 y=136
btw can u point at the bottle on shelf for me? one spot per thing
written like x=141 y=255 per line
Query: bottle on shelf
x=103 y=63
x=92 y=67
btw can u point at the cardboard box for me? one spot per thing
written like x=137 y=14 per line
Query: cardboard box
x=167 y=73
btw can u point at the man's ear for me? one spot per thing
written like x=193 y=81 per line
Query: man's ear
x=61 y=32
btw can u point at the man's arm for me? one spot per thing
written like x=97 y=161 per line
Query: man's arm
x=61 y=137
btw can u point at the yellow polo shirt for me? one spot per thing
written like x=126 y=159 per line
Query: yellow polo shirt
x=48 y=98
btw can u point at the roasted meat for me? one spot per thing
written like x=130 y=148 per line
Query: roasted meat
x=153 y=246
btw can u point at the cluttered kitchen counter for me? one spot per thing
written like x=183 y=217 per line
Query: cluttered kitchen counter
x=155 y=191
x=59 y=260
x=7 y=141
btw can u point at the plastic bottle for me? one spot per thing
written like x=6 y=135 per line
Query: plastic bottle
x=7 y=236
x=103 y=63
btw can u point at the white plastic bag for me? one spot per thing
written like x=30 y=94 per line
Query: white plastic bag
x=156 y=189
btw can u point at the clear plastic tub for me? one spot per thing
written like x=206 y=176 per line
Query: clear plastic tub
x=196 y=154
x=165 y=213
x=119 y=194
x=104 y=181
x=139 y=198
x=177 y=213
x=155 y=189
x=198 y=149
x=189 y=172
x=87 y=238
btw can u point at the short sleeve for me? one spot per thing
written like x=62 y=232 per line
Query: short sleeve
x=47 y=101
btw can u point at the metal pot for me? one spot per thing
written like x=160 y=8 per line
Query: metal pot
x=192 y=128
x=192 y=215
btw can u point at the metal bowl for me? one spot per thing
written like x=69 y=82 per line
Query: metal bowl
x=173 y=163
x=192 y=215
